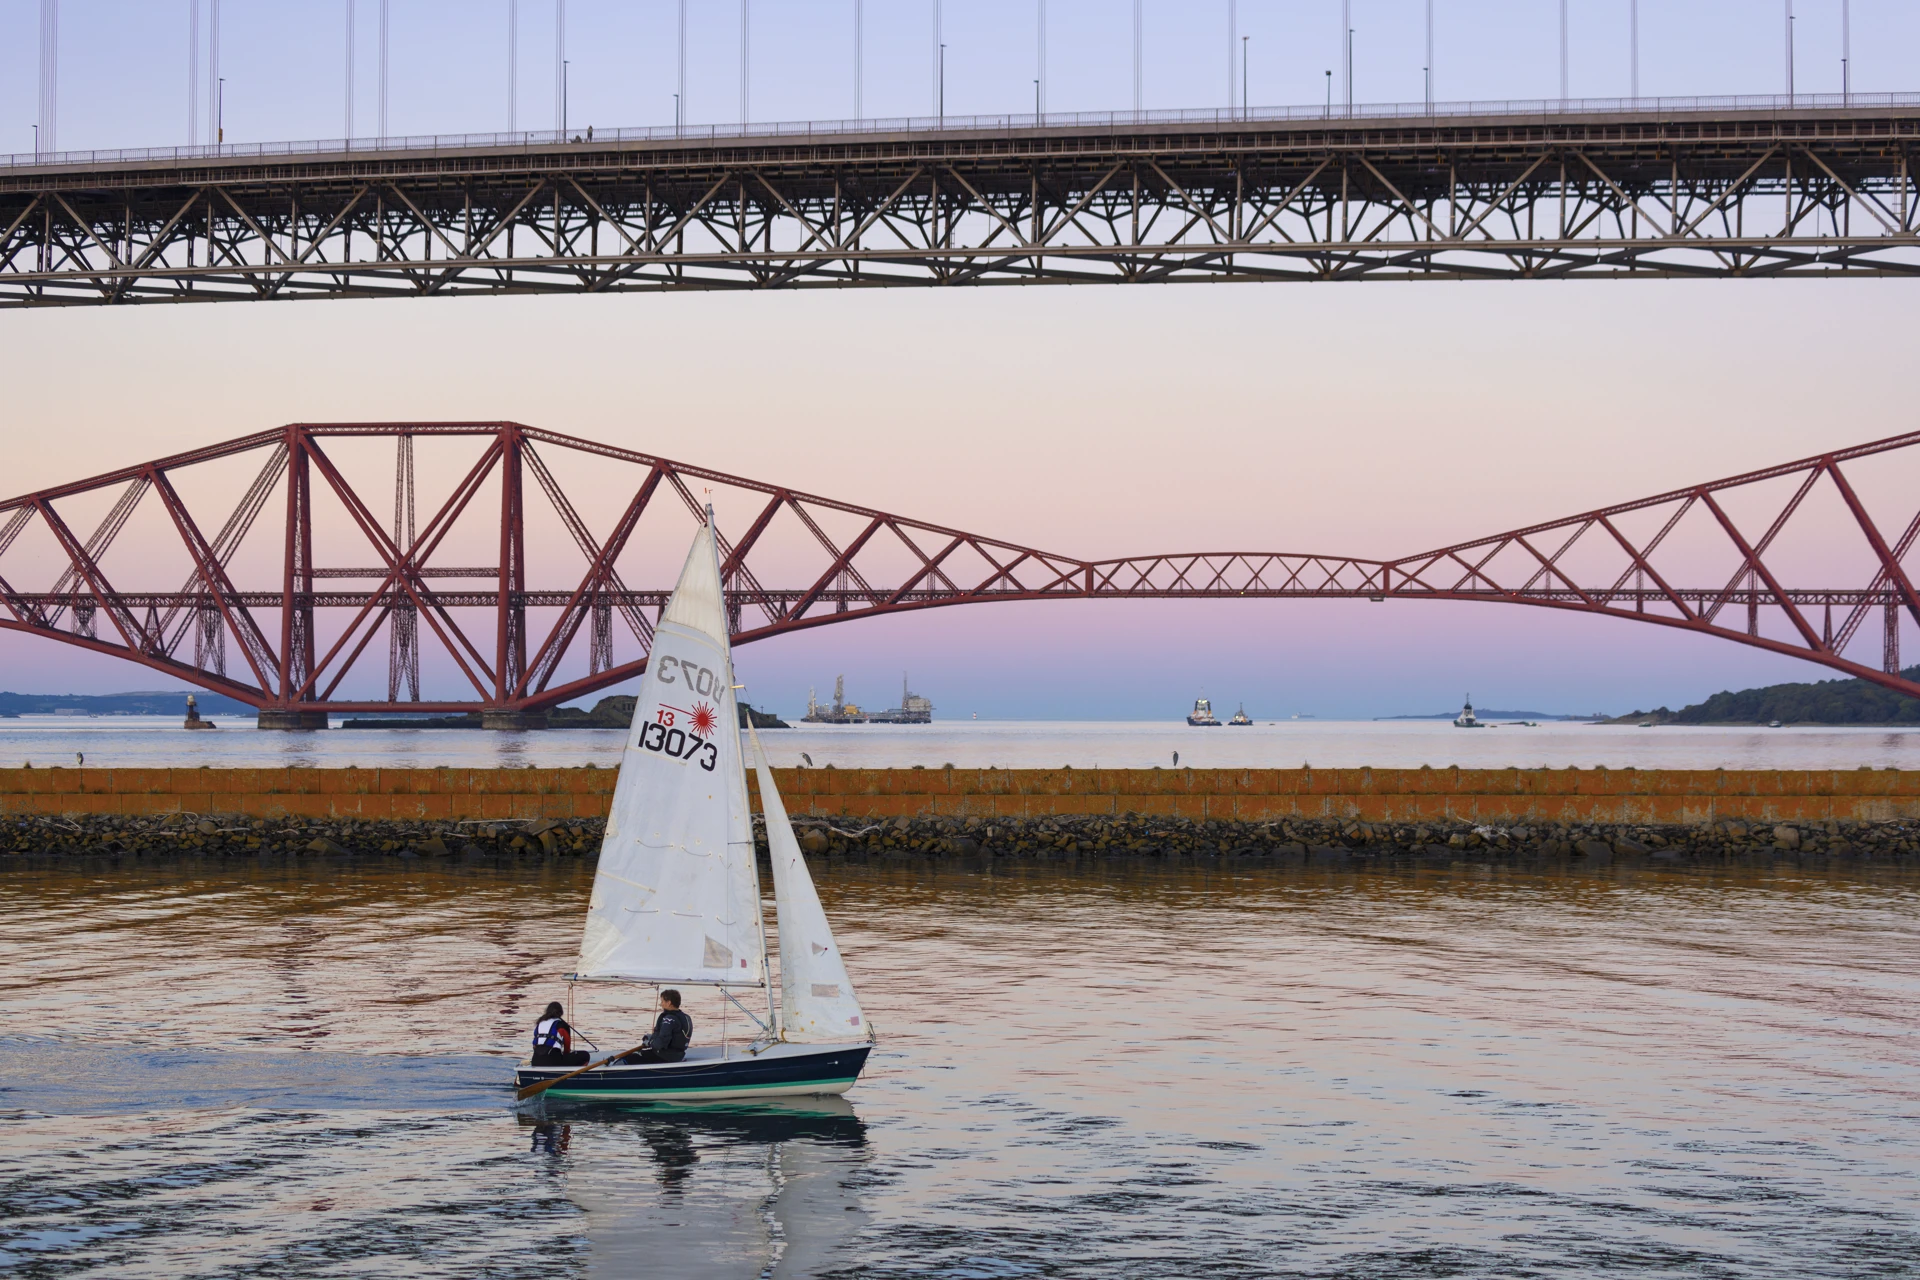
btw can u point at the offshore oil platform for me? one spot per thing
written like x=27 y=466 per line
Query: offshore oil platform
x=913 y=708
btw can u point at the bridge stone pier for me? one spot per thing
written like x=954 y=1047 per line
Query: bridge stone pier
x=281 y=718
x=534 y=718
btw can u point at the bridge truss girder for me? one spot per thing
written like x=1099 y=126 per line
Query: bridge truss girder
x=1827 y=191
x=303 y=635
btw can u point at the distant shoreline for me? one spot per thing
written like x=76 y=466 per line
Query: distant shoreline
x=1501 y=715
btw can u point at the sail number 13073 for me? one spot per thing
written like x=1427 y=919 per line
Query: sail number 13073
x=678 y=743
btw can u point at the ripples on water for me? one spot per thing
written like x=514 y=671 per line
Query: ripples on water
x=1110 y=1069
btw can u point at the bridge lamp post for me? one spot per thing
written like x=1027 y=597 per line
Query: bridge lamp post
x=676 y=115
x=1233 y=34
x=943 y=84
x=1243 y=76
x=566 y=68
x=1329 y=93
x=220 y=112
x=1040 y=57
x=1564 y=93
x=1789 y=52
x=1633 y=48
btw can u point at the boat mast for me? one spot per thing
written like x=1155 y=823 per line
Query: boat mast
x=759 y=904
x=766 y=963
x=753 y=856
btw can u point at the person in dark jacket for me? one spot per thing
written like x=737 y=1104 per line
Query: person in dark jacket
x=553 y=1041
x=672 y=1033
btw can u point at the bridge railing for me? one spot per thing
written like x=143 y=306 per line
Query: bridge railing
x=1004 y=122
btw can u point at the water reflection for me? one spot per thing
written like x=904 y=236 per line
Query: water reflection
x=766 y=1190
x=549 y=1138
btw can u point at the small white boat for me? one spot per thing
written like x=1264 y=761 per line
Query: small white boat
x=1773 y=724
x=1466 y=719
x=676 y=898
x=1202 y=714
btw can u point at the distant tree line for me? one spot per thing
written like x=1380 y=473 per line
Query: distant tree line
x=172 y=702
x=1825 y=702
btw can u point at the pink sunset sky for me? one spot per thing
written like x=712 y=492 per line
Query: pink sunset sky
x=1372 y=421
x=1369 y=421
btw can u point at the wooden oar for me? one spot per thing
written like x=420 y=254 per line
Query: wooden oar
x=535 y=1090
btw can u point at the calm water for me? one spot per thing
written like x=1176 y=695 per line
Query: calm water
x=1117 y=1070
x=127 y=742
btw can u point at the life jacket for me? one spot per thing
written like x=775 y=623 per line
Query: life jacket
x=677 y=1029
x=552 y=1033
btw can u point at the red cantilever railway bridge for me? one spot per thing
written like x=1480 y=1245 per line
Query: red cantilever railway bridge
x=302 y=621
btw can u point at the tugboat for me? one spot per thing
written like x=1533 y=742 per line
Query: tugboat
x=1240 y=716
x=1203 y=714
x=1466 y=719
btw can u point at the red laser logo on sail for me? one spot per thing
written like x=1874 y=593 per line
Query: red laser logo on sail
x=701 y=721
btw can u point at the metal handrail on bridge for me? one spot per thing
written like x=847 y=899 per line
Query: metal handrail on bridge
x=1000 y=122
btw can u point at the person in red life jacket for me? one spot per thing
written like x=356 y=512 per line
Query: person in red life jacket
x=672 y=1033
x=553 y=1041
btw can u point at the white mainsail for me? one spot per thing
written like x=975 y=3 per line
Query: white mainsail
x=817 y=1004
x=677 y=895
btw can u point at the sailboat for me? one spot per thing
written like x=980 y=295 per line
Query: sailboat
x=676 y=897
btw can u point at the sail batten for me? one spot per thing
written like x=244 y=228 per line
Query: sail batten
x=676 y=897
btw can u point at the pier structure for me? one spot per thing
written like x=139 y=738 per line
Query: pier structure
x=529 y=803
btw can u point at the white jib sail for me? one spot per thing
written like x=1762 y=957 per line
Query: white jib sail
x=817 y=1004
x=677 y=895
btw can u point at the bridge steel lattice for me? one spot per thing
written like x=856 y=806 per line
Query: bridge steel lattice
x=1672 y=188
x=284 y=624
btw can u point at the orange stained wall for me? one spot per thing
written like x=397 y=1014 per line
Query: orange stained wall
x=1371 y=795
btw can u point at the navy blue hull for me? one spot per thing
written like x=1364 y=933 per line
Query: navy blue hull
x=783 y=1070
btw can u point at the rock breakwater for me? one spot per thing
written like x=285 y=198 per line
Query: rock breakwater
x=1330 y=842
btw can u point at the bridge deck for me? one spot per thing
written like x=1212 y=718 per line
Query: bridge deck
x=1727 y=188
